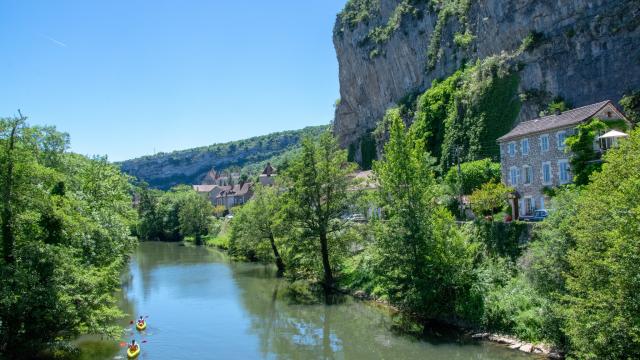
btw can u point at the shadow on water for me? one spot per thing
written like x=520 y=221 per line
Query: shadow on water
x=346 y=329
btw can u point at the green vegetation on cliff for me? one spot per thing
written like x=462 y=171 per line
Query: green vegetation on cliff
x=464 y=114
x=248 y=156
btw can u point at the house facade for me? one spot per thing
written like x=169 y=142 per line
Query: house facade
x=235 y=195
x=210 y=192
x=534 y=156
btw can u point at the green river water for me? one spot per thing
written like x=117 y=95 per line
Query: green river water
x=202 y=306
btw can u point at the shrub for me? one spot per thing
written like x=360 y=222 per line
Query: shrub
x=474 y=174
x=490 y=199
x=463 y=40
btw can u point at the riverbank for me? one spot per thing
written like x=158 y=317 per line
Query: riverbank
x=507 y=341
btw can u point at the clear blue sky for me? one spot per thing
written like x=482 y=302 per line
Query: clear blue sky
x=125 y=77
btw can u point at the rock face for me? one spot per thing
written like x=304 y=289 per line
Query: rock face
x=590 y=51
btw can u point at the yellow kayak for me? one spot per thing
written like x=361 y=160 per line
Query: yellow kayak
x=132 y=354
x=141 y=326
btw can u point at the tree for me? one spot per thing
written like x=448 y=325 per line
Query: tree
x=631 y=104
x=195 y=216
x=473 y=175
x=257 y=225
x=317 y=195
x=603 y=306
x=65 y=232
x=584 y=158
x=423 y=263
x=150 y=224
x=490 y=199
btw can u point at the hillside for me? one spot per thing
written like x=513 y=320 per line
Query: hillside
x=390 y=52
x=165 y=170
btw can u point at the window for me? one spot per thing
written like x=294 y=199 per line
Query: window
x=513 y=176
x=528 y=174
x=546 y=173
x=542 y=202
x=564 y=171
x=525 y=147
x=512 y=149
x=529 y=206
x=561 y=136
x=544 y=142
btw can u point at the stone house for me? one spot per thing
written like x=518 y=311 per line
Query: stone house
x=235 y=195
x=209 y=192
x=533 y=155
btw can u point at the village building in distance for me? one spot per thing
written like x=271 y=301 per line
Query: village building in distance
x=230 y=190
x=533 y=155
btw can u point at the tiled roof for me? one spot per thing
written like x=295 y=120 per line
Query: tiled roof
x=236 y=190
x=268 y=170
x=567 y=118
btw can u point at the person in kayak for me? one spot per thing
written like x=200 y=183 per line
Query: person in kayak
x=140 y=320
x=133 y=346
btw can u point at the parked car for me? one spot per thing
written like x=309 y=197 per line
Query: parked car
x=356 y=218
x=539 y=215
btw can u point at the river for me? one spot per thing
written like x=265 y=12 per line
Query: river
x=202 y=306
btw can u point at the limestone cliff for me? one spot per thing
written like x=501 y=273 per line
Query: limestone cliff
x=589 y=50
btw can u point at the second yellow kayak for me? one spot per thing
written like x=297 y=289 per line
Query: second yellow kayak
x=141 y=326
x=132 y=354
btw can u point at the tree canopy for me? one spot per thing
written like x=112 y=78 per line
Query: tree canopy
x=65 y=224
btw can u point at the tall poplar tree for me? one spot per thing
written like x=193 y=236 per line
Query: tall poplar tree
x=317 y=194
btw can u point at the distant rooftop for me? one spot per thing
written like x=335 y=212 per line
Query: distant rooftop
x=564 y=119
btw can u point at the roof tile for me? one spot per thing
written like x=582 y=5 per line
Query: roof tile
x=567 y=118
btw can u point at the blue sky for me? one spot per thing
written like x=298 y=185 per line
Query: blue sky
x=127 y=77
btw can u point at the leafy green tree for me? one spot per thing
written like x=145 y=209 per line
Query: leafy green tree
x=490 y=199
x=631 y=104
x=423 y=263
x=584 y=157
x=150 y=224
x=603 y=281
x=195 y=216
x=257 y=226
x=474 y=174
x=317 y=182
x=65 y=233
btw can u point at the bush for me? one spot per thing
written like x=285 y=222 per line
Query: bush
x=463 y=40
x=490 y=199
x=473 y=175
x=498 y=238
x=515 y=308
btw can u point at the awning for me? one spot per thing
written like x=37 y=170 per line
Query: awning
x=613 y=134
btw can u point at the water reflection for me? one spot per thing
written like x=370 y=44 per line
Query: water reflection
x=351 y=330
x=202 y=306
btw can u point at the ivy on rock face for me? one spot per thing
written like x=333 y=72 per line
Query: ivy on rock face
x=465 y=113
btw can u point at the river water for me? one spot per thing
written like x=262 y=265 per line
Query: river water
x=202 y=306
